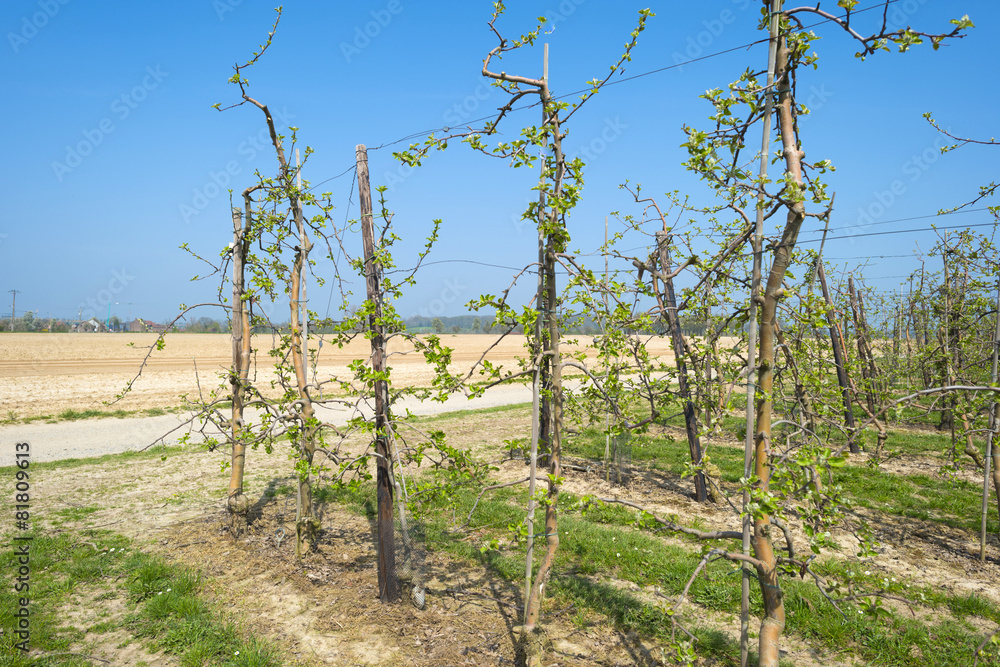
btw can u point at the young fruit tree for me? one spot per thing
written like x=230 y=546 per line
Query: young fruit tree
x=559 y=189
x=716 y=156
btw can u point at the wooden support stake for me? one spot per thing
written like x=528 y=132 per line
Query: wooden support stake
x=388 y=581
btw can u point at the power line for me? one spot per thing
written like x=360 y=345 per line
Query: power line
x=916 y=217
x=901 y=231
x=333 y=178
x=471 y=261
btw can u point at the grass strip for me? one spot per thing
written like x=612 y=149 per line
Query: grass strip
x=165 y=608
x=602 y=544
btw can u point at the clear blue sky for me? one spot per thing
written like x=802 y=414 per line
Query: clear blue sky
x=112 y=141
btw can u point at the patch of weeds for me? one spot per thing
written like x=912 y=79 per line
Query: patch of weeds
x=76 y=513
x=90 y=413
x=166 y=609
x=161 y=452
x=458 y=414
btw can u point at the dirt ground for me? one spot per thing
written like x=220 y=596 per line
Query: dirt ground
x=45 y=374
x=322 y=610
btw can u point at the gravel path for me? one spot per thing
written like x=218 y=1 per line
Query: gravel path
x=97 y=437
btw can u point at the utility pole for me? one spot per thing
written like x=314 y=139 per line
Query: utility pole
x=13 y=312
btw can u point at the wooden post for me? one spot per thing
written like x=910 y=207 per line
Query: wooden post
x=388 y=581
x=677 y=339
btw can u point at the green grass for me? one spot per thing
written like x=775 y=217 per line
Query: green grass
x=77 y=415
x=161 y=452
x=165 y=609
x=458 y=414
x=602 y=544
x=953 y=503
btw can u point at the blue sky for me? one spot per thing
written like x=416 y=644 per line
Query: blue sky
x=114 y=156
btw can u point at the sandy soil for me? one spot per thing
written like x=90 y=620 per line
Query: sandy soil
x=45 y=374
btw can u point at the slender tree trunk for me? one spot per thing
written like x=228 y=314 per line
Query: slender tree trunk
x=684 y=389
x=948 y=414
x=773 y=623
x=772 y=7
x=869 y=369
x=240 y=328
x=991 y=437
x=838 y=358
x=552 y=356
x=306 y=524
x=925 y=326
x=801 y=396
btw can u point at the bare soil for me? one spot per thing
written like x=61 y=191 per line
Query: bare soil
x=45 y=374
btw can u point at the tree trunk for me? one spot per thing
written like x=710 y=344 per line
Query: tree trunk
x=306 y=524
x=684 y=390
x=240 y=327
x=838 y=358
x=801 y=396
x=554 y=244
x=773 y=623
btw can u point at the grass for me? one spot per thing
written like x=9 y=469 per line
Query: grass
x=168 y=614
x=165 y=608
x=458 y=414
x=77 y=415
x=951 y=502
x=602 y=544
x=161 y=452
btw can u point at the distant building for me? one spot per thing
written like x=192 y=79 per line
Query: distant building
x=139 y=325
x=89 y=326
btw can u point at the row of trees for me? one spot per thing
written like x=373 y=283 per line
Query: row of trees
x=772 y=344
